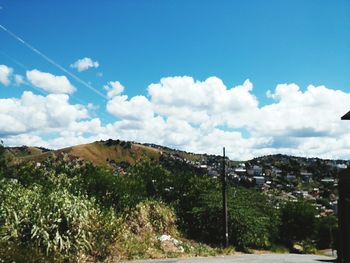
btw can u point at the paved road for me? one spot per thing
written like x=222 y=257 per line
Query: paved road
x=267 y=258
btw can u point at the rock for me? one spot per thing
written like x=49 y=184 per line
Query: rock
x=297 y=248
x=171 y=244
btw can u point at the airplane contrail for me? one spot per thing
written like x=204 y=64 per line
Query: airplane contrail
x=32 y=86
x=51 y=61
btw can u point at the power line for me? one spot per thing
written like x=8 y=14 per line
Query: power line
x=52 y=62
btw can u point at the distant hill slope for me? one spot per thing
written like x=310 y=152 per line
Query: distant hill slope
x=23 y=151
x=111 y=151
x=100 y=152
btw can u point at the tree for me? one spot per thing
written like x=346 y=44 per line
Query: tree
x=298 y=222
x=326 y=228
x=252 y=219
x=2 y=158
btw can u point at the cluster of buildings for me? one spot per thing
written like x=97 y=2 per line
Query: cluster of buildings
x=283 y=177
x=280 y=176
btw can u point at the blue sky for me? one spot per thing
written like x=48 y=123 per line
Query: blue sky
x=140 y=42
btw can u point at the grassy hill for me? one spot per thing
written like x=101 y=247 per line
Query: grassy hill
x=100 y=152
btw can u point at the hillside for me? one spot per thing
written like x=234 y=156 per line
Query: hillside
x=110 y=152
x=102 y=153
x=261 y=192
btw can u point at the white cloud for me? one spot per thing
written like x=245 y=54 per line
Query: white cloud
x=315 y=112
x=84 y=64
x=50 y=83
x=198 y=102
x=208 y=115
x=113 y=89
x=137 y=108
x=198 y=116
x=26 y=139
x=38 y=113
x=5 y=74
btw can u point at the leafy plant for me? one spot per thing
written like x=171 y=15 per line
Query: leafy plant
x=298 y=222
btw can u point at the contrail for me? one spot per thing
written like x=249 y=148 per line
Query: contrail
x=104 y=116
x=52 y=62
x=32 y=86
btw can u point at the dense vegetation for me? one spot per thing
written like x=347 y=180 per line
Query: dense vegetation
x=69 y=210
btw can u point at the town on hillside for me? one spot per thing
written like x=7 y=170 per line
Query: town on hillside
x=279 y=176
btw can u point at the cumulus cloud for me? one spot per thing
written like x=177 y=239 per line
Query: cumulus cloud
x=137 y=108
x=26 y=139
x=84 y=64
x=202 y=116
x=5 y=74
x=38 y=113
x=313 y=113
x=113 y=89
x=192 y=115
x=49 y=82
x=198 y=102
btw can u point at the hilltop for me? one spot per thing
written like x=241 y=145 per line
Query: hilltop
x=102 y=153
x=110 y=152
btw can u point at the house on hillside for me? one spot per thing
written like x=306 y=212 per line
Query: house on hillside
x=291 y=177
x=240 y=171
x=259 y=181
x=256 y=170
x=306 y=177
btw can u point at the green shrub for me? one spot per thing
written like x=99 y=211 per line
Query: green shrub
x=252 y=220
x=276 y=248
x=18 y=208
x=152 y=216
x=326 y=228
x=58 y=225
x=308 y=246
x=298 y=222
x=138 y=235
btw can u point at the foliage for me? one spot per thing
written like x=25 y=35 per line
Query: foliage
x=3 y=165
x=280 y=249
x=139 y=234
x=308 y=246
x=64 y=209
x=58 y=225
x=298 y=222
x=252 y=221
x=152 y=216
x=326 y=229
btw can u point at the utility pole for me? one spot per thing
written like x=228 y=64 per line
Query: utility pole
x=224 y=199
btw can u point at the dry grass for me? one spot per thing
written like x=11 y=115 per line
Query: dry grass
x=96 y=152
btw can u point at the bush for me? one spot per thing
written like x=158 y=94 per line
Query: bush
x=326 y=229
x=18 y=208
x=152 y=216
x=3 y=161
x=298 y=222
x=56 y=226
x=138 y=236
x=252 y=221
